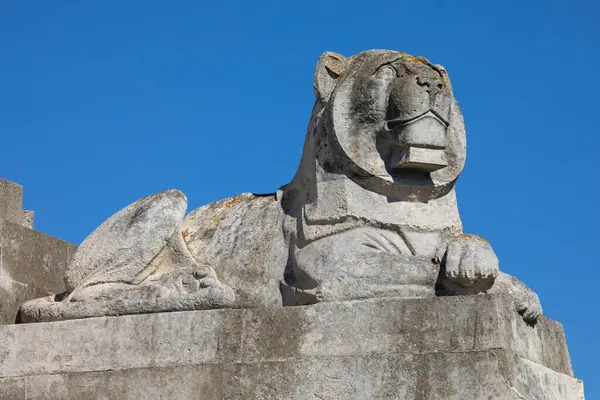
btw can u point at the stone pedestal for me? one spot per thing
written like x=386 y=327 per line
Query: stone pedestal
x=470 y=347
x=32 y=263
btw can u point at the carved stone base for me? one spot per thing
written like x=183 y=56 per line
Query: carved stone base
x=184 y=289
x=46 y=309
x=470 y=347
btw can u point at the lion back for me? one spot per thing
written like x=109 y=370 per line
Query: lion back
x=241 y=238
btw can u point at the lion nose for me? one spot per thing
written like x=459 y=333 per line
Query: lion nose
x=414 y=95
x=431 y=85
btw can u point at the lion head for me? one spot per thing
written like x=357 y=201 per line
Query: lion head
x=386 y=120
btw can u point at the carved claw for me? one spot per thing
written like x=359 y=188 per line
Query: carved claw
x=469 y=264
x=526 y=300
x=529 y=308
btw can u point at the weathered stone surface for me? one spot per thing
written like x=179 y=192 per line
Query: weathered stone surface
x=166 y=293
x=121 y=249
x=13 y=389
x=492 y=374
x=463 y=347
x=11 y=201
x=32 y=264
x=385 y=326
x=189 y=382
x=27 y=217
x=135 y=262
x=242 y=239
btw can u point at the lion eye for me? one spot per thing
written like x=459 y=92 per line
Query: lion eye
x=386 y=72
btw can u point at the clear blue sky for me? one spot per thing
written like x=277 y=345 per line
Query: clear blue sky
x=103 y=102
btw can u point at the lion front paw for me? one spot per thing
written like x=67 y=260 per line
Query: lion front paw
x=469 y=265
x=529 y=306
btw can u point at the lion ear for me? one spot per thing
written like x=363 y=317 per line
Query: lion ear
x=330 y=68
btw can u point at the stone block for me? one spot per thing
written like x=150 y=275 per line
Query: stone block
x=489 y=374
x=32 y=265
x=11 y=201
x=27 y=218
x=464 y=347
x=189 y=382
x=492 y=374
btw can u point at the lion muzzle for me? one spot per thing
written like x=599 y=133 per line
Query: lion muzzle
x=420 y=142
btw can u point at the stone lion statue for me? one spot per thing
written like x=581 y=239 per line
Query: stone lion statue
x=370 y=213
